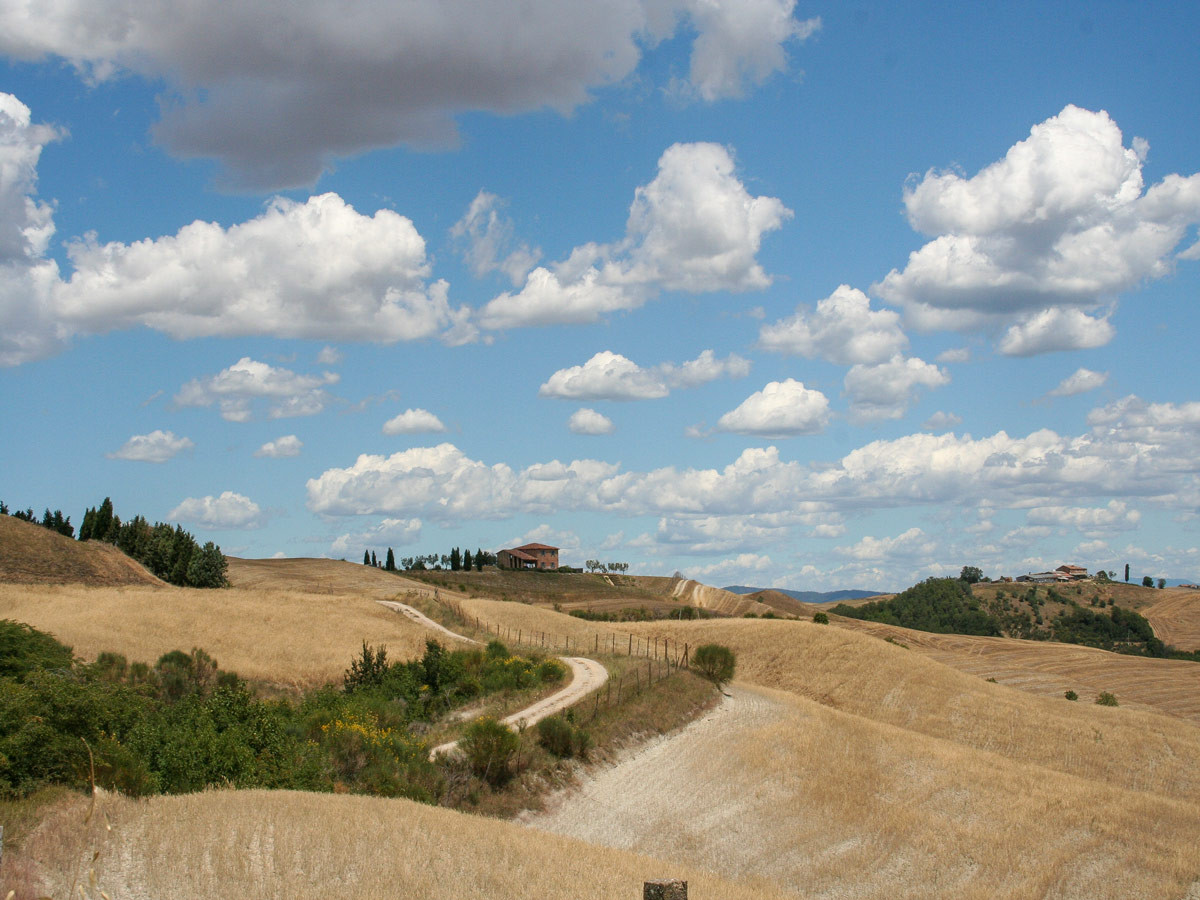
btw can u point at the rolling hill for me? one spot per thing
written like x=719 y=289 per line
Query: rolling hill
x=854 y=760
x=31 y=554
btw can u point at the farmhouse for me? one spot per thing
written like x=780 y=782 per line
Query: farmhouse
x=528 y=556
x=1075 y=573
x=1043 y=577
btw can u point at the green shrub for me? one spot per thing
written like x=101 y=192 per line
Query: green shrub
x=489 y=747
x=821 y=618
x=1107 y=699
x=715 y=662
x=1071 y=695
x=23 y=648
x=562 y=738
x=550 y=671
x=367 y=671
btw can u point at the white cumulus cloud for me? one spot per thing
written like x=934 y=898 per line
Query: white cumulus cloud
x=1044 y=239
x=230 y=510
x=156 y=447
x=588 y=421
x=317 y=269
x=1081 y=382
x=28 y=328
x=236 y=389
x=414 y=421
x=842 y=329
x=280 y=448
x=693 y=228
x=886 y=390
x=611 y=376
x=781 y=409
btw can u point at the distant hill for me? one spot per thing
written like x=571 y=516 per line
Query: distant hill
x=807 y=596
x=31 y=554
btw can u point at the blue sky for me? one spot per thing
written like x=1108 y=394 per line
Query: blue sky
x=773 y=293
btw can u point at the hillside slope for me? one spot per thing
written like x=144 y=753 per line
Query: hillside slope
x=31 y=554
x=284 y=845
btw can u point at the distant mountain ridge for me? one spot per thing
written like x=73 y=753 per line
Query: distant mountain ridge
x=807 y=596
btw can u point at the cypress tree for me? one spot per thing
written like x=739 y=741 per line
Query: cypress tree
x=366 y=557
x=102 y=523
x=466 y=560
x=374 y=561
x=390 y=564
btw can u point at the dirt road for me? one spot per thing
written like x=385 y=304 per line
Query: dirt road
x=421 y=619
x=586 y=676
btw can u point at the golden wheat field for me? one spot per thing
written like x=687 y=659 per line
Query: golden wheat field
x=298 y=630
x=842 y=766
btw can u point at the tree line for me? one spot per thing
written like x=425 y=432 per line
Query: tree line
x=595 y=565
x=456 y=560
x=168 y=551
x=54 y=521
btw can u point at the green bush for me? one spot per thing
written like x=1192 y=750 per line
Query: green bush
x=821 y=618
x=562 y=738
x=1071 y=695
x=489 y=747
x=1107 y=699
x=715 y=662
x=23 y=649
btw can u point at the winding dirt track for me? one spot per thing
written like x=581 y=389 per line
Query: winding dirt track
x=586 y=676
x=421 y=619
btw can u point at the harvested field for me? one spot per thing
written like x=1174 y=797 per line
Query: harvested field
x=287 y=638
x=1175 y=618
x=850 y=671
x=1050 y=669
x=827 y=804
x=283 y=845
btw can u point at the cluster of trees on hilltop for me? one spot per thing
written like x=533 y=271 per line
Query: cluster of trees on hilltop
x=55 y=521
x=947 y=606
x=168 y=551
x=456 y=561
x=940 y=605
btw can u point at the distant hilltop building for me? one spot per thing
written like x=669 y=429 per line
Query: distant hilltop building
x=1062 y=573
x=528 y=556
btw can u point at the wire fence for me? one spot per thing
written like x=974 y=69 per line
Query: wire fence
x=676 y=653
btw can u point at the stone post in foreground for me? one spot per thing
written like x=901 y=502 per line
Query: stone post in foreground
x=665 y=889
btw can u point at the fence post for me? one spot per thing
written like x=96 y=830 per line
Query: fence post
x=630 y=653
x=665 y=889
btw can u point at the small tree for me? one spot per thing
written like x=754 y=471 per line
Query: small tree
x=367 y=671
x=489 y=747
x=715 y=662
x=820 y=618
x=1127 y=573
x=390 y=563
x=971 y=574
x=366 y=557
x=1147 y=581
x=466 y=561
x=1162 y=583
x=208 y=567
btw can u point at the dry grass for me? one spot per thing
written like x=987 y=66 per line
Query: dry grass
x=286 y=638
x=31 y=554
x=291 y=846
x=1175 y=617
x=832 y=805
x=868 y=678
x=1050 y=669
